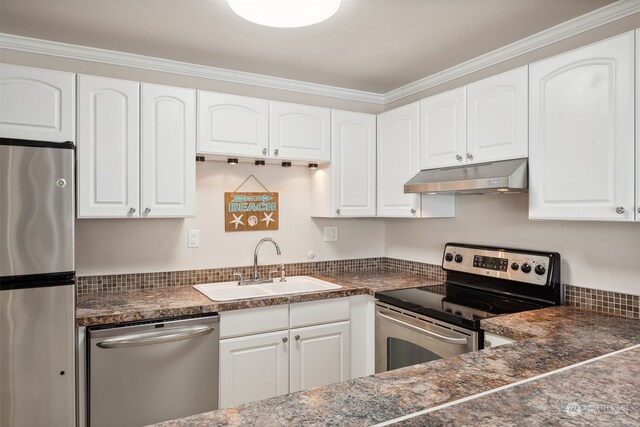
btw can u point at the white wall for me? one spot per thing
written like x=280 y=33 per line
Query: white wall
x=601 y=255
x=119 y=246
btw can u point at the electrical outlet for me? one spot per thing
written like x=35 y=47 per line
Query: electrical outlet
x=194 y=239
x=331 y=233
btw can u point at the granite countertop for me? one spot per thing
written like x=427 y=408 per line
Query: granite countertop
x=127 y=306
x=549 y=339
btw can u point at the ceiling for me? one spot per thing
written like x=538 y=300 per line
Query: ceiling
x=369 y=45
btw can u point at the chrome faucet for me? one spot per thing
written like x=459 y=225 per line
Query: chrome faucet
x=255 y=259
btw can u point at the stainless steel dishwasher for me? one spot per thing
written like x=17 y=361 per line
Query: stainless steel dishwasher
x=147 y=372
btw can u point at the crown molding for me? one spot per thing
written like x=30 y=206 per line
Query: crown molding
x=597 y=18
x=86 y=53
x=581 y=24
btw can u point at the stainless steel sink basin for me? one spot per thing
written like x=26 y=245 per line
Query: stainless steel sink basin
x=229 y=291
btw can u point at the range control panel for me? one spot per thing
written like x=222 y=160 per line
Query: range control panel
x=521 y=266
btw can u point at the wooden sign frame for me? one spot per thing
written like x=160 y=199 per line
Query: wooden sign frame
x=251 y=211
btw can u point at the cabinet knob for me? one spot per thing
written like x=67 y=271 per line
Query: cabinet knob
x=285 y=339
x=619 y=210
x=276 y=152
x=132 y=211
x=265 y=151
x=338 y=211
x=147 y=210
x=458 y=157
x=639 y=210
x=469 y=156
x=413 y=211
x=297 y=337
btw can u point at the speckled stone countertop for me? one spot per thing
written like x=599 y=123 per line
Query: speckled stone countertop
x=127 y=306
x=550 y=339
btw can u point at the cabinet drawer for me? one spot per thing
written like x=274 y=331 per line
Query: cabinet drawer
x=316 y=312
x=254 y=320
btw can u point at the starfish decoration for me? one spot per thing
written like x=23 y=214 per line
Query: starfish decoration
x=237 y=220
x=267 y=218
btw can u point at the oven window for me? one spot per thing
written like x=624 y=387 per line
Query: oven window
x=401 y=353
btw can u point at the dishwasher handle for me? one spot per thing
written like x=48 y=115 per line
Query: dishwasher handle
x=156 y=337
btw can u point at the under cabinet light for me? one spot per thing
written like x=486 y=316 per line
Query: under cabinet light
x=286 y=164
x=232 y=161
x=259 y=163
x=313 y=166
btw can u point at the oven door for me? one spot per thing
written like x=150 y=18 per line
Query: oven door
x=404 y=338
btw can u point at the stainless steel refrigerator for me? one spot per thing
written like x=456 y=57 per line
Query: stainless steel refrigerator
x=37 y=284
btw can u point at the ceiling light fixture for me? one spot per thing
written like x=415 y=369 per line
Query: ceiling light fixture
x=285 y=13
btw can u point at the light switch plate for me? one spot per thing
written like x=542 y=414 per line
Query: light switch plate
x=331 y=233
x=194 y=239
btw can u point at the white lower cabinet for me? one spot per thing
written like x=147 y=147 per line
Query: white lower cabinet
x=254 y=367
x=319 y=355
x=269 y=351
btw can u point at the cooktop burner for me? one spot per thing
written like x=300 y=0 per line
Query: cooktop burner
x=459 y=306
x=483 y=282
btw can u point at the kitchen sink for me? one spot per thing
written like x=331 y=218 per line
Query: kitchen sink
x=229 y=291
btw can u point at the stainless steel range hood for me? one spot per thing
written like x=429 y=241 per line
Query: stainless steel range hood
x=506 y=176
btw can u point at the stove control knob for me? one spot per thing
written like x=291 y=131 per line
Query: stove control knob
x=515 y=266
x=540 y=269
x=526 y=268
x=458 y=258
x=448 y=257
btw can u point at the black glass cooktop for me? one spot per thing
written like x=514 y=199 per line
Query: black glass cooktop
x=455 y=304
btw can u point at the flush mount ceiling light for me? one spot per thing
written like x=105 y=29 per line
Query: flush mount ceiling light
x=285 y=13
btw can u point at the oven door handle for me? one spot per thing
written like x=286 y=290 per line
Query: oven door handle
x=448 y=340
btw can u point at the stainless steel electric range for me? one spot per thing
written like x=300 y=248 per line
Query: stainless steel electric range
x=423 y=324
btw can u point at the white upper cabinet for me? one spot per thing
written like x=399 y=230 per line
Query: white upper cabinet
x=481 y=122
x=232 y=125
x=581 y=154
x=398 y=161
x=300 y=132
x=497 y=116
x=37 y=104
x=168 y=150
x=443 y=130
x=347 y=187
x=108 y=147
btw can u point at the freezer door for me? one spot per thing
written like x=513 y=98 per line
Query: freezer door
x=37 y=359
x=36 y=208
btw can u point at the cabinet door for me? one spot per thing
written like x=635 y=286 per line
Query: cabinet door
x=581 y=147
x=497 y=115
x=108 y=147
x=353 y=163
x=397 y=161
x=232 y=125
x=299 y=132
x=37 y=104
x=254 y=367
x=168 y=149
x=320 y=355
x=443 y=138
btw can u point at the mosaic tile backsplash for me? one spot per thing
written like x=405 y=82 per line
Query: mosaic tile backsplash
x=122 y=282
x=590 y=299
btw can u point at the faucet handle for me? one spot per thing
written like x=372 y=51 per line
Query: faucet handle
x=282 y=274
x=240 y=278
x=270 y=275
